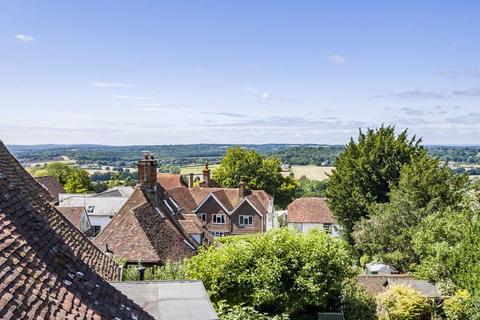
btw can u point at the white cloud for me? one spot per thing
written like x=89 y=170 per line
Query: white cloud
x=336 y=59
x=101 y=84
x=250 y=89
x=121 y=96
x=24 y=37
x=265 y=95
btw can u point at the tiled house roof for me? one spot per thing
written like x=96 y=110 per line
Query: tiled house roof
x=74 y=215
x=191 y=198
x=48 y=269
x=144 y=230
x=170 y=180
x=53 y=186
x=309 y=210
x=377 y=284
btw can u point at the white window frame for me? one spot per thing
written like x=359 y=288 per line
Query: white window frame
x=217 y=215
x=202 y=216
x=327 y=227
x=217 y=234
x=245 y=217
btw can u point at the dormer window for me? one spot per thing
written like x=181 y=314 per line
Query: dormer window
x=90 y=209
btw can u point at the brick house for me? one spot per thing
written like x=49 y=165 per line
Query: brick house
x=226 y=211
x=150 y=226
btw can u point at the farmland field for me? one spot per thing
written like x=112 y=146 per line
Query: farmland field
x=197 y=170
x=312 y=172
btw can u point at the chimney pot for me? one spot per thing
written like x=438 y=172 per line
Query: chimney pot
x=147 y=172
x=206 y=175
x=190 y=180
x=242 y=189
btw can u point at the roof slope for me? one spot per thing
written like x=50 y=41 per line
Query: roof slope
x=170 y=180
x=309 y=210
x=53 y=186
x=73 y=214
x=143 y=230
x=190 y=198
x=49 y=269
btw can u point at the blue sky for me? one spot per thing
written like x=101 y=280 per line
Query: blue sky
x=158 y=72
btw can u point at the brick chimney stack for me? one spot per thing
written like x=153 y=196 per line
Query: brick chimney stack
x=242 y=189
x=147 y=172
x=206 y=174
x=190 y=180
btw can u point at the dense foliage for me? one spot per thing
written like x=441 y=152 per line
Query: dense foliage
x=73 y=179
x=400 y=302
x=358 y=304
x=169 y=271
x=365 y=172
x=424 y=187
x=311 y=188
x=258 y=172
x=459 y=306
x=282 y=271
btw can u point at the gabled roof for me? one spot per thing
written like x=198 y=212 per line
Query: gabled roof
x=73 y=214
x=170 y=180
x=95 y=205
x=119 y=191
x=309 y=210
x=51 y=185
x=192 y=198
x=144 y=230
x=49 y=269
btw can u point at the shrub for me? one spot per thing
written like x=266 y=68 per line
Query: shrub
x=170 y=271
x=401 y=302
x=238 y=312
x=281 y=271
x=359 y=304
x=459 y=306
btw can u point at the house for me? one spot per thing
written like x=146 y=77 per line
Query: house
x=311 y=213
x=49 y=269
x=100 y=207
x=51 y=185
x=170 y=180
x=379 y=268
x=227 y=211
x=149 y=226
x=78 y=217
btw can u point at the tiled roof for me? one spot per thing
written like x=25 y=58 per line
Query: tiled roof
x=53 y=186
x=191 y=198
x=48 y=269
x=309 y=210
x=170 y=180
x=73 y=214
x=376 y=284
x=144 y=230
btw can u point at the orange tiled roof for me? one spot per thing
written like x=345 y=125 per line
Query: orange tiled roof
x=309 y=210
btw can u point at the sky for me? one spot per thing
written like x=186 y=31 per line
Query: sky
x=180 y=72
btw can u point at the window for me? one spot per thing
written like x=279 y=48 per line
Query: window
x=96 y=230
x=245 y=220
x=203 y=216
x=327 y=227
x=90 y=209
x=218 y=218
x=217 y=234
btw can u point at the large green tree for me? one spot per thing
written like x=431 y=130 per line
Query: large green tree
x=60 y=171
x=365 y=172
x=258 y=172
x=282 y=271
x=78 y=181
x=424 y=187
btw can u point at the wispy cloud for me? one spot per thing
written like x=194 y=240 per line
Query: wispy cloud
x=472 y=92
x=227 y=114
x=103 y=84
x=439 y=94
x=250 y=89
x=121 y=96
x=265 y=95
x=412 y=111
x=24 y=37
x=457 y=73
x=336 y=59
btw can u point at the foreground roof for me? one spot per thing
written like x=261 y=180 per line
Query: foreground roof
x=167 y=300
x=143 y=230
x=309 y=210
x=376 y=284
x=49 y=269
x=51 y=185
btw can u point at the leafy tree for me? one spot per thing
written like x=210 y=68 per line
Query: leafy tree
x=60 y=171
x=78 y=181
x=403 y=303
x=365 y=172
x=238 y=312
x=258 y=172
x=281 y=271
x=424 y=187
x=311 y=188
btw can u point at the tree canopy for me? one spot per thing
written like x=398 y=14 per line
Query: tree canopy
x=365 y=172
x=258 y=172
